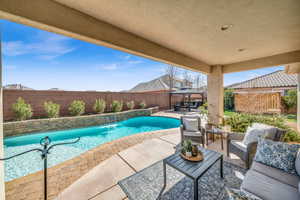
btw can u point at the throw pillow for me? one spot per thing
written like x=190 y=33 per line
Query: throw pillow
x=258 y=130
x=190 y=124
x=277 y=154
x=235 y=194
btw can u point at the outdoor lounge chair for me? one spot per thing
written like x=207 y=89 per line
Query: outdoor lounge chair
x=237 y=145
x=191 y=129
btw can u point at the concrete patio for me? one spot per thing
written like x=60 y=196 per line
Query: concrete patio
x=102 y=181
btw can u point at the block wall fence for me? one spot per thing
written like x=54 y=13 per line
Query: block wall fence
x=36 y=99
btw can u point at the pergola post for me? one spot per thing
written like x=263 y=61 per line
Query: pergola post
x=2 y=190
x=215 y=94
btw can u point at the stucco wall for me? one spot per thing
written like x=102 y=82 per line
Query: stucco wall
x=38 y=125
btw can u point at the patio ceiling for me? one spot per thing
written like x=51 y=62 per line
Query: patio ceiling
x=185 y=33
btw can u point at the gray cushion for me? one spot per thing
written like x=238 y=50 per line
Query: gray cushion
x=297 y=163
x=268 y=188
x=239 y=144
x=277 y=154
x=235 y=194
x=192 y=133
x=259 y=130
x=277 y=174
x=191 y=124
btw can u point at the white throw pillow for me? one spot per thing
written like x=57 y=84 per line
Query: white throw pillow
x=190 y=124
x=258 y=130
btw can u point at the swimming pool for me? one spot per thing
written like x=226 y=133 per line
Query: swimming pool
x=90 y=137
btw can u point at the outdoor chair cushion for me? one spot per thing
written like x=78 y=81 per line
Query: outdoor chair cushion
x=276 y=174
x=298 y=163
x=192 y=133
x=259 y=130
x=239 y=144
x=267 y=188
x=277 y=154
x=191 y=124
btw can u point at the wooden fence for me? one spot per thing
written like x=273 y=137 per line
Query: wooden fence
x=36 y=99
x=258 y=102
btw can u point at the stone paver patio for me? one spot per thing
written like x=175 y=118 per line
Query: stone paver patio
x=101 y=182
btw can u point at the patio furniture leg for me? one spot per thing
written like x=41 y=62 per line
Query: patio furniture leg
x=222 y=145
x=196 y=189
x=221 y=167
x=165 y=180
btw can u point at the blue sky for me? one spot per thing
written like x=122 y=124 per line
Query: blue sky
x=43 y=60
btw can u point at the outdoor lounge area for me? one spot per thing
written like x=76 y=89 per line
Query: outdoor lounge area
x=88 y=136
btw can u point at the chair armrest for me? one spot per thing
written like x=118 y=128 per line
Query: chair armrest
x=235 y=136
x=251 y=148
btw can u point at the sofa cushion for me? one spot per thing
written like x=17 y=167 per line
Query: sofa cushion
x=297 y=164
x=268 y=188
x=259 y=130
x=277 y=154
x=277 y=174
x=191 y=124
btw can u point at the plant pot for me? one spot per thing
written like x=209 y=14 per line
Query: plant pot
x=188 y=154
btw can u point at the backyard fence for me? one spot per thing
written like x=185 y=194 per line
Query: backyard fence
x=258 y=102
x=36 y=99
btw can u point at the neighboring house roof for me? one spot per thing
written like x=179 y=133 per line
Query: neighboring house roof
x=275 y=79
x=158 y=84
x=16 y=87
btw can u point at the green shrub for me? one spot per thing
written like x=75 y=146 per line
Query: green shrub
x=77 y=107
x=203 y=109
x=116 y=106
x=130 y=105
x=143 y=105
x=228 y=99
x=22 y=110
x=290 y=100
x=240 y=123
x=51 y=109
x=99 y=106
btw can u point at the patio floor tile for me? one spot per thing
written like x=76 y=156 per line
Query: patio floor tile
x=173 y=138
x=144 y=154
x=99 y=179
x=115 y=193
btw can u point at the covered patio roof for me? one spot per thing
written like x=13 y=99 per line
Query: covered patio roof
x=197 y=35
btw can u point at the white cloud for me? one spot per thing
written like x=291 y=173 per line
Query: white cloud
x=113 y=66
x=133 y=62
x=45 y=46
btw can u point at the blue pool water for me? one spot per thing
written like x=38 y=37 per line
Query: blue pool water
x=90 y=137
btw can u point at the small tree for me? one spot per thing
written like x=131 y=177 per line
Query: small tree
x=130 y=105
x=51 y=109
x=99 y=106
x=22 y=110
x=290 y=100
x=228 y=99
x=116 y=106
x=143 y=105
x=77 y=107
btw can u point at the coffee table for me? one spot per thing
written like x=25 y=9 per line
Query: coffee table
x=193 y=170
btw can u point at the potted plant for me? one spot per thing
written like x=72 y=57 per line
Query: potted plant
x=187 y=148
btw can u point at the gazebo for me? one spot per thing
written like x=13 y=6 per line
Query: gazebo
x=187 y=96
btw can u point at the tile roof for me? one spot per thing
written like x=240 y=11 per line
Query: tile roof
x=275 y=79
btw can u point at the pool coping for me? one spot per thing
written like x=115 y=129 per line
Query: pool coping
x=79 y=165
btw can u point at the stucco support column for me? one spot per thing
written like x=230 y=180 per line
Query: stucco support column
x=298 y=103
x=2 y=191
x=215 y=94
